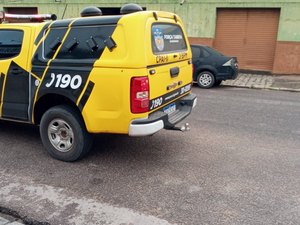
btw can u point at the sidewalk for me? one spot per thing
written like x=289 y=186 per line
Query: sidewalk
x=272 y=82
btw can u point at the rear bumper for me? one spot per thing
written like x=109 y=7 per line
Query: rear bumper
x=159 y=119
x=227 y=73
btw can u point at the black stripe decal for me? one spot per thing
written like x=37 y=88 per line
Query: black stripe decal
x=1 y=84
x=39 y=37
x=77 y=63
x=38 y=70
x=16 y=93
x=107 y=20
x=163 y=99
x=33 y=89
x=61 y=23
x=39 y=63
x=86 y=95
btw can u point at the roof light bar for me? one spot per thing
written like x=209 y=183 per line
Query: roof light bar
x=26 y=18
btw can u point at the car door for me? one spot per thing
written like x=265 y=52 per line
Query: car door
x=14 y=75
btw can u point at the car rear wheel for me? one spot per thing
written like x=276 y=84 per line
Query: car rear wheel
x=63 y=134
x=205 y=79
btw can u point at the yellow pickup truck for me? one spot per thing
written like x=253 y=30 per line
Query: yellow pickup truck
x=126 y=74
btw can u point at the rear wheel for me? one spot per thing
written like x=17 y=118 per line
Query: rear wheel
x=205 y=79
x=64 y=135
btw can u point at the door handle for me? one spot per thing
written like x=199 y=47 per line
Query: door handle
x=174 y=71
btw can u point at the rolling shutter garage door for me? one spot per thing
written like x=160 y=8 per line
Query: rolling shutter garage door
x=248 y=34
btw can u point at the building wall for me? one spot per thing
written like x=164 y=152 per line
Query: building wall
x=287 y=57
x=199 y=18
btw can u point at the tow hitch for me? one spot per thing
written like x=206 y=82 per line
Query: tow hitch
x=185 y=127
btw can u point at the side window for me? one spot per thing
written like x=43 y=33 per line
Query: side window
x=85 y=42
x=196 y=52
x=53 y=41
x=10 y=43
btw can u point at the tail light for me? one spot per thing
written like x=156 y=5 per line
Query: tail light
x=228 y=63
x=139 y=94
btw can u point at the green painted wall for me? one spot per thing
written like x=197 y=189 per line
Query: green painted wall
x=206 y=13
x=199 y=16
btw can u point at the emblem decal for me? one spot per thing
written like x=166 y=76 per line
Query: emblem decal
x=158 y=38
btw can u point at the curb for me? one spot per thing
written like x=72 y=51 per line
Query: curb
x=266 y=88
x=284 y=89
x=9 y=221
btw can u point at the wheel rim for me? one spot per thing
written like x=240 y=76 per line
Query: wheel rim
x=60 y=135
x=205 y=79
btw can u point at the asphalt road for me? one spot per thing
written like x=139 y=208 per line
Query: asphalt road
x=239 y=164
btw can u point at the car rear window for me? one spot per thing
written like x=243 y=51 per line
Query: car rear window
x=167 y=38
x=214 y=51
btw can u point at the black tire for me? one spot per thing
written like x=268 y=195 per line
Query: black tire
x=68 y=140
x=206 y=79
x=217 y=83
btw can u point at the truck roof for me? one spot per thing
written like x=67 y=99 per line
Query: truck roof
x=16 y=25
x=93 y=20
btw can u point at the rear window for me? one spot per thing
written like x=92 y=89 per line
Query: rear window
x=167 y=38
x=214 y=51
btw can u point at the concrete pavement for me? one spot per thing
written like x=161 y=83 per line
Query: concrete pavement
x=272 y=82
